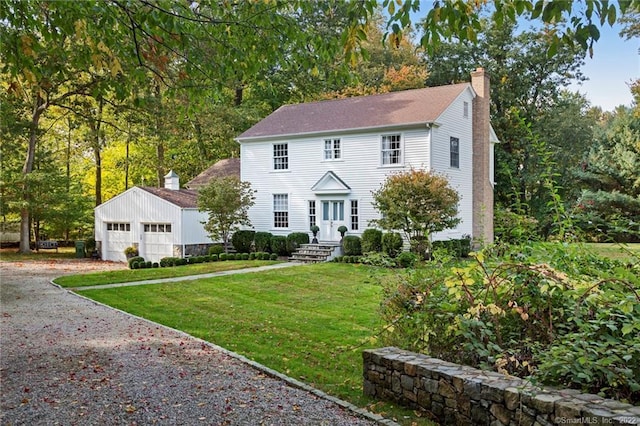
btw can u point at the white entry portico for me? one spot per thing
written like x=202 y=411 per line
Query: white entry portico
x=331 y=193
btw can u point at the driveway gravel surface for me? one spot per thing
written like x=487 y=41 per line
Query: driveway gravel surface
x=65 y=360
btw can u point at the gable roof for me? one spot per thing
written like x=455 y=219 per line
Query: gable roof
x=406 y=107
x=222 y=168
x=184 y=198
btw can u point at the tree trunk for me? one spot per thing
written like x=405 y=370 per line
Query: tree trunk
x=97 y=150
x=25 y=235
x=160 y=135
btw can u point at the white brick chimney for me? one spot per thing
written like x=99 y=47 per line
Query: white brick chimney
x=172 y=181
x=482 y=187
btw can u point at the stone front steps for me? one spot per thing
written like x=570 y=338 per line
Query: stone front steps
x=316 y=253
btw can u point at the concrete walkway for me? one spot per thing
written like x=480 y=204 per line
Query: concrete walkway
x=190 y=277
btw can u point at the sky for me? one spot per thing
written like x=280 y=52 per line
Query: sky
x=615 y=63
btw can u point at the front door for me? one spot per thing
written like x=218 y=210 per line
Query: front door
x=332 y=219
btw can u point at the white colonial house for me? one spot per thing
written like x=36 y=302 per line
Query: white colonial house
x=160 y=222
x=318 y=163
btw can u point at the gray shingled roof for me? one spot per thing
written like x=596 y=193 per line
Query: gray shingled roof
x=185 y=198
x=223 y=168
x=387 y=109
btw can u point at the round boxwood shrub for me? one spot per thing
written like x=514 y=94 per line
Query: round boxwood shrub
x=242 y=240
x=213 y=258
x=155 y=265
x=279 y=245
x=371 y=240
x=351 y=244
x=272 y=256
x=262 y=241
x=295 y=240
x=391 y=244
x=267 y=256
x=181 y=262
x=148 y=264
x=135 y=259
x=252 y=255
x=216 y=249
x=223 y=256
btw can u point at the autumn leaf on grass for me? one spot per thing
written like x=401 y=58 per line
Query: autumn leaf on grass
x=130 y=409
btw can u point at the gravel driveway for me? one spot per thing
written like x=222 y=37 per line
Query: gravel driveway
x=66 y=360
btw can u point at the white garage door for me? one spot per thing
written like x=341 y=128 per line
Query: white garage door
x=118 y=238
x=157 y=241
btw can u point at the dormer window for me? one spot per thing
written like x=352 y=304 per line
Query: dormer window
x=332 y=150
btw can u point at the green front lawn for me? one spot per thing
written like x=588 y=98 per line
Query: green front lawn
x=624 y=252
x=130 y=275
x=310 y=322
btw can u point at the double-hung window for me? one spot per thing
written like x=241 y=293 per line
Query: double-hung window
x=391 y=150
x=280 y=210
x=332 y=150
x=354 y=215
x=280 y=156
x=454 y=152
x=312 y=213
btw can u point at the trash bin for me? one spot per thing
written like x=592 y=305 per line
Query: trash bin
x=80 y=254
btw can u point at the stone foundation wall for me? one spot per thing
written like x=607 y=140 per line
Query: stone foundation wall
x=460 y=395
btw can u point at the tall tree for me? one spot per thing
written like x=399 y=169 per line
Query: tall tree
x=609 y=206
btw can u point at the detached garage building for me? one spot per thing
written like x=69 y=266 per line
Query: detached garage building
x=160 y=222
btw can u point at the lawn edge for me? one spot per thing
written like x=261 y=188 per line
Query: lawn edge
x=260 y=367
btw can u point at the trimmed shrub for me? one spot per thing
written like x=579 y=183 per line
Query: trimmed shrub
x=223 y=256
x=351 y=244
x=371 y=240
x=458 y=248
x=181 y=262
x=168 y=261
x=216 y=249
x=406 y=259
x=213 y=257
x=391 y=244
x=244 y=256
x=155 y=265
x=242 y=240
x=135 y=259
x=272 y=256
x=252 y=255
x=262 y=241
x=295 y=240
x=279 y=245
x=342 y=230
x=148 y=264
x=231 y=256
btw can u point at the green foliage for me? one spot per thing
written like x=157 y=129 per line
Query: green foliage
x=417 y=202
x=351 y=245
x=459 y=248
x=231 y=256
x=278 y=245
x=406 y=259
x=223 y=256
x=242 y=240
x=391 y=244
x=342 y=230
x=514 y=228
x=378 y=259
x=262 y=241
x=131 y=251
x=272 y=256
x=609 y=206
x=552 y=311
x=371 y=240
x=295 y=240
x=216 y=249
x=226 y=201
x=134 y=259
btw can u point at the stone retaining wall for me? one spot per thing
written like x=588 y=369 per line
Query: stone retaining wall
x=460 y=395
